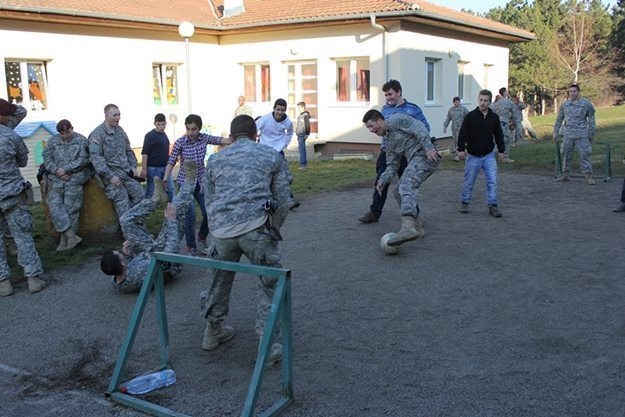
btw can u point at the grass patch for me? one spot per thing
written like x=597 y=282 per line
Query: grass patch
x=323 y=176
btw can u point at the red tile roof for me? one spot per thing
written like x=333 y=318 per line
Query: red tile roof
x=207 y=14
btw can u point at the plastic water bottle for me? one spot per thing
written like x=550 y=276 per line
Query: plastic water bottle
x=149 y=382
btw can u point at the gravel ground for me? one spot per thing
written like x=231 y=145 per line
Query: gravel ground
x=518 y=316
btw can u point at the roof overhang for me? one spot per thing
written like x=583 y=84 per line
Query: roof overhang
x=505 y=33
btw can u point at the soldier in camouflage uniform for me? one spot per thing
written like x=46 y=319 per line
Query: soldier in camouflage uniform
x=247 y=194
x=13 y=201
x=577 y=119
x=455 y=115
x=66 y=157
x=115 y=162
x=407 y=137
x=129 y=267
x=510 y=119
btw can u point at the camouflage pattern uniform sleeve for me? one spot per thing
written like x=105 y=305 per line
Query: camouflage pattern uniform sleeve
x=135 y=274
x=280 y=190
x=559 y=120
x=16 y=118
x=96 y=153
x=172 y=243
x=447 y=119
x=48 y=155
x=392 y=165
x=82 y=158
x=21 y=152
x=591 y=119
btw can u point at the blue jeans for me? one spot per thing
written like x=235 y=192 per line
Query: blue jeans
x=149 y=184
x=301 y=147
x=189 y=223
x=472 y=168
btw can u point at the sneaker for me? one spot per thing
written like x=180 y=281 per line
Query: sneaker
x=214 y=336
x=494 y=211
x=189 y=251
x=370 y=217
x=620 y=208
x=464 y=208
x=6 y=288
x=294 y=204
x=508 y=160
x=35 y=284
x=201 y=246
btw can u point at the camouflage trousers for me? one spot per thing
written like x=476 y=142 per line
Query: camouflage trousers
x=261 y=249
x=133 y=222
x=19 y=221
x=584 y=148
x=454 y=137
x=125 y=196
x=418 y=170
x=64 y=203
x=508 y=139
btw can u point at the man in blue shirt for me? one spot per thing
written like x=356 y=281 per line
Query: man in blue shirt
x=395 y=103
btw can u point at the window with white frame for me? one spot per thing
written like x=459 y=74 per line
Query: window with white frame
x=257 y=82
x=433 y=80
x=352 y=79
x=486 y=76
x=165 y=84
x=27 y=83
x=462 y=85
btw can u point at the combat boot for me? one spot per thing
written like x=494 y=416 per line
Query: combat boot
x=589 y=179
x=215 y=334
x=62 y=243
x=6 y=288
x=407 y=232
x=71 y=239
x=159 y=196
x=190 y=169
x=35 y=284
x=564 y=177
x=275 y=353
x=419 y=227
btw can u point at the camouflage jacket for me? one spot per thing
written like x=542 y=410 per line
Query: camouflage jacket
x=406 y=136
x=455 y=115
x=240 y=180
x=72 y=156
x=110 y=152
x=13 y=155
x=577 y=117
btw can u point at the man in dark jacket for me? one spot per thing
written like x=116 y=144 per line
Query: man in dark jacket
x=479 y=133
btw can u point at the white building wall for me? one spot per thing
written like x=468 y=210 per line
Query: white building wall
x=87 y=71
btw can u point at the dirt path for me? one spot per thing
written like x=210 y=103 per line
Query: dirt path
x=518 y=316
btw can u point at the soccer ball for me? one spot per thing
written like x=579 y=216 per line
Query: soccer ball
x=389 y=250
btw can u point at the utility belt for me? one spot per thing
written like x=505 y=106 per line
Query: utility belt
x=24 y=197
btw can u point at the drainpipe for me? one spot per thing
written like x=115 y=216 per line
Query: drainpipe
x=384 y=45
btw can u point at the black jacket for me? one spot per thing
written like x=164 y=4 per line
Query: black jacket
x=477 y=133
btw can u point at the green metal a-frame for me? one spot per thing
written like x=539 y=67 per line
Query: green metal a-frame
x=280 y=310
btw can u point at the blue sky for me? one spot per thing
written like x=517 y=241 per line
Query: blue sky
x=481 y=6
